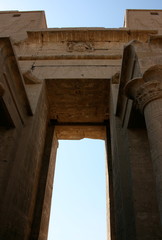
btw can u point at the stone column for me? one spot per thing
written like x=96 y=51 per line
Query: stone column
x=147 y=94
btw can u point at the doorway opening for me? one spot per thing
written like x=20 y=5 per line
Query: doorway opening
x=78 y=209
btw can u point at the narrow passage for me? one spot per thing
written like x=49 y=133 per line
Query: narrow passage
x=78 y=209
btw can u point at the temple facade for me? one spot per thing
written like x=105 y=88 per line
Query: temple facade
x=74 y=83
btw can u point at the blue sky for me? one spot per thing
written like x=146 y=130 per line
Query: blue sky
x=78 y=211
x=79 y=206
x=85 y=13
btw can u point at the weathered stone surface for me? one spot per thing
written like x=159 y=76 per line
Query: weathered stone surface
x=15 y=23
x=80 y=83
x=144 y=19
x=78 y=100
x=74 y=132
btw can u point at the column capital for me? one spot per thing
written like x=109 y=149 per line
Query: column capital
x=146 y=88
x=153 y=73
x=143 y=92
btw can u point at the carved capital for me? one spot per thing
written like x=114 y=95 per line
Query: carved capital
x=143 y=92
x=2 y=89
x=153 y=73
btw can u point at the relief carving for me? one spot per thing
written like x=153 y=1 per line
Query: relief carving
x=80 y=47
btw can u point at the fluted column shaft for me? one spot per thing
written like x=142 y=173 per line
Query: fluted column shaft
x=148 y=98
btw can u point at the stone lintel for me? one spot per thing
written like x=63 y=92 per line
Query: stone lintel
x=72 y=132
x=71 y=57
x=155 y=39
x=89 y=34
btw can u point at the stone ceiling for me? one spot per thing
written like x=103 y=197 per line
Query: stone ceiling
x=78 y=100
